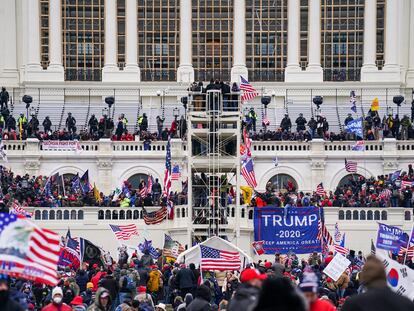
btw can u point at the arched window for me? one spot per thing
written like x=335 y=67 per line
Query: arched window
x=384 y=215
x=341 y=215
x=52 y=215
x=121 y=214
x=136 y=214
x=377 y=215
x=251 y=214
x=59 y=215
x=370 y=215
x=66 y=214
x=362 y=215
x=129 y=214
x=114 y=214
x=183 y=212
x=37 y=215
x=73 y=214
x=355 y=215
x=101 y=214
x=348 y=215
x=45 y=215
x=283 y=182
x=178 y=213
x=134 y=180
x=80 y=214
x=348 y=179
x=107 y=214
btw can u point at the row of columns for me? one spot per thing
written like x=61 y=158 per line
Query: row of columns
x=185 y=73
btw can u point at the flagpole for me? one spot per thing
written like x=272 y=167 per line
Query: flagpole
x=408 y=244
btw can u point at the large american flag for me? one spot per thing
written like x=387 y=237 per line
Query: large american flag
x=249 y=92
x=247 y=171
x=16 y=209
x=351 y=166
x=27 y=251
x=406 y=183
x=341 y=250
x=215 y=259
x=337 y=234
x=323 y=233
x=176 y=174
x=320 y=190
x=124 y=232
x=155 y=217
x=167 y=173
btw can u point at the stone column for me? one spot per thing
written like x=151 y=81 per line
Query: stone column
x=317 y=162
x=369 y=67
x=104 y=165
x=293 y=41
x=410 y=72
x=110 y=72
x=185 y=71
x=131 y=66
x=9 y=75
x=239 y=41
x=32 y=33
x=391 y=36
x=55 y=38
x=314 y=40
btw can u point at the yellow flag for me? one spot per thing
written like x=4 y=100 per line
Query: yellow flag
x=375 y=104
x=247 y=193
x=96 y=194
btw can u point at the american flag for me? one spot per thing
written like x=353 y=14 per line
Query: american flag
x=359 y=146
x=85 y=184
x=249 y=92
x=385 y=194
x=72 y=242
x=406 y=183
x=215 y=259
x=410 y=252
x=172 y=248
x=323 y=233
x=320 y=190
x=341 y=250
x=143 y=192
x=175 y=174
x=258 y=247
x=149 y=184
x=351 y=166
x=247 y=171
x=16 y=209
x=155 y=217
x=167 y=173
x=337 y=234
x=27 y=251
x=124 y=232
x=247 y=142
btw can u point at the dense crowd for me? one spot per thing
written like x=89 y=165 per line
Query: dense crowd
x=144 y=283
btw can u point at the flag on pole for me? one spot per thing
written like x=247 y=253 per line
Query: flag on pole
x=17 y=209
x=355 y=127
x=351 y=166
x=167 y=172
x=341 y=247
x=85 y=184
x=373 y=248
x=337 y=234
x=320 y=190
x=96 y=194
x=352 y=100
x=249 y=92
x=124 y=232
x=258 y=247
x=150 y=182
x=375 y=104
x=147 y=245
x=27 y=251
x=406 y=183
x=171 y=248
x=75 y=184
x=215 y=259
x=175 y=173
x=385 y=194
x=395 y=175
x=247 y=171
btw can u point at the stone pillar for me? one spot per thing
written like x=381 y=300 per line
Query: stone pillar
x=110 y=72
x=55 y=39
x=131 y=66
x=239 y=41
x=104 y=164
x=317 y=162
x=32 y=40
x=391 y=66
x=185 y=71
x=369 y=69
x=314 y=41
x=410 y=72
x=9 y=75
x=32 y=157
x=390 y=155
x=293 y=41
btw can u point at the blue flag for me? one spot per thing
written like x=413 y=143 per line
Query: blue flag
x=355 y=126
x=353 y=101
x=147 y=245
x=395 y=175
x=391 y=238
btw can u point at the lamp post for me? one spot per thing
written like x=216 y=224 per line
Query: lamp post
x=161 y=95
x=27 y=100
x=318 y=100
x=265 y=102
x=398 y=101
x=110 y=100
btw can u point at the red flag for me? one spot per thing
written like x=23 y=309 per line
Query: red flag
x=258 y=247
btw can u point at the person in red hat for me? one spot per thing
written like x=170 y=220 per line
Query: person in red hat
x=246 y=295
x=77 y=304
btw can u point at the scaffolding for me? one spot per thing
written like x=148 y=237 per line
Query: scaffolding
x=214 y=133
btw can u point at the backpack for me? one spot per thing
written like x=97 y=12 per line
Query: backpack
x=145 y=305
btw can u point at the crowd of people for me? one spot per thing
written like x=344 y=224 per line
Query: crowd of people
x=146 y=282
x=393 y=190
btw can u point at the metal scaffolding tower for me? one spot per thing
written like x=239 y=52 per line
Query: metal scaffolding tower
x=213 y=136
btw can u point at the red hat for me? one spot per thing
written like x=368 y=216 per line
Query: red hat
x=77 y=300
x=141 y=289
x=268 y=264
x=95 y=265
x=251 y=274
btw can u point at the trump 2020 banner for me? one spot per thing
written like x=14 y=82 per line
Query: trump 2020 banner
x=287 y=229
x=391 y=238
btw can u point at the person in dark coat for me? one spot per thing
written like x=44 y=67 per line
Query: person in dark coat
x=379 y=297
x=6 y=303
x=185 y=280
x=300 y=123
x=202 y=300
x=82 y=280
x=195 y=272
x=47 y=124
x=109 y=283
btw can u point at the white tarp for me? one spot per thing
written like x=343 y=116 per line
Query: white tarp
x=192 y=255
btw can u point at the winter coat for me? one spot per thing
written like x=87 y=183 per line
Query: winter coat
x=378 y=299
x=202 y=300
x=111 y=285
x=154 y=281
x=245 y=298
x=96 y=306
x=11 y=305
x=185 y=279
x=54 y=307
